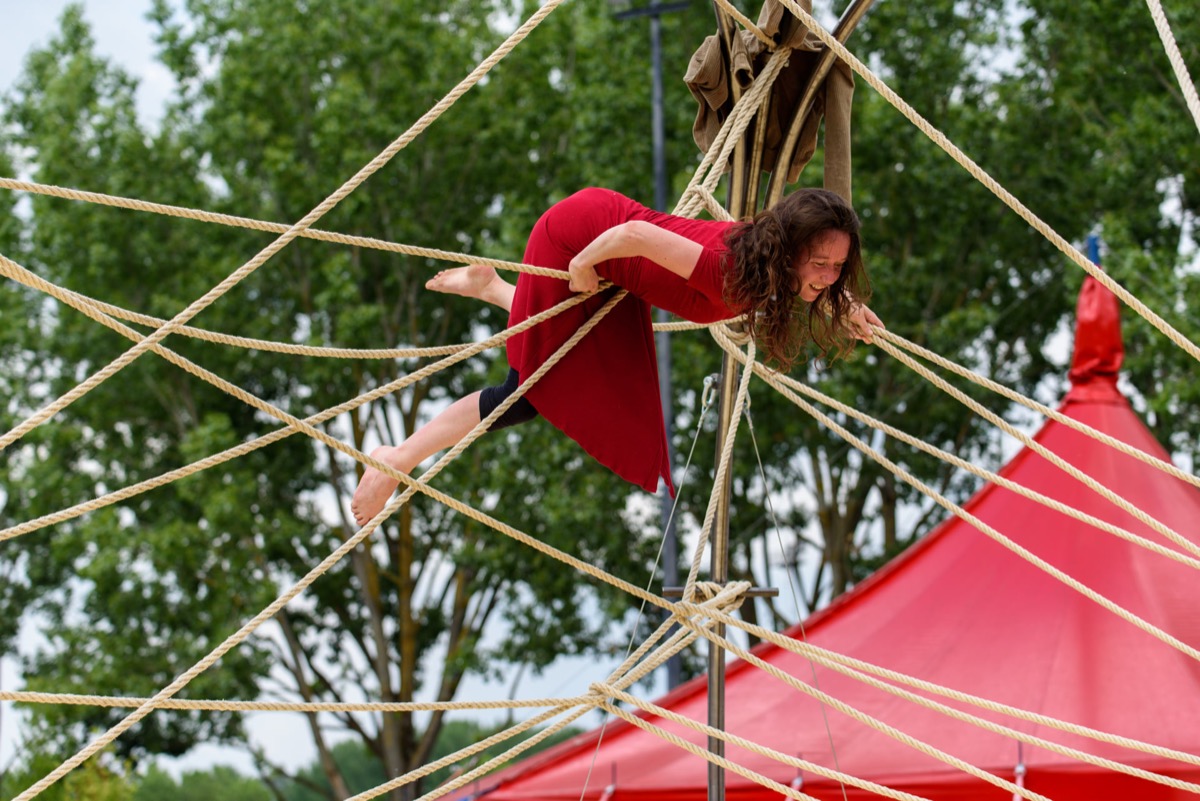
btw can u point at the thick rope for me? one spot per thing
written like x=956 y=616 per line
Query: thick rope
x=783 y=383
x=483 y=745
x=987 y=180
x=350 y=544
x=852 y=667
x=866 y=719
x=954 y=508
x=13 y=270
x=249 y=267
x=483 y=426
x=949 y=711
x=108 y=701
x=465 y=753
x=621 y=677
x=745 y=22
x=1040 y=450
x=1040 y=408
x=290 y=347
x=426 y=477
x=705 y=754
x=252 y=224
x=741 y=742
x=711 y=204
x=1176 y=59
x=246 y=342
x=10 y=268
x=119 y=701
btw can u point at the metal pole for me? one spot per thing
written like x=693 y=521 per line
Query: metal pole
x=670 y=538
x=719 y=556
x=719 y=569
x=743 y=194
x=662 y=339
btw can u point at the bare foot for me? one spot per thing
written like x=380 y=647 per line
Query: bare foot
x=470 y=281
x=375 y=487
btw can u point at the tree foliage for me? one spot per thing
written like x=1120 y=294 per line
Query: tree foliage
x=100 y=779
x=1091 y=140
x=277 y=104
x=195 y=785
x=1118 y=119
x=1069 y=104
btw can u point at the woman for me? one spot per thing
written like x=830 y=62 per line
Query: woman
x=604 y=393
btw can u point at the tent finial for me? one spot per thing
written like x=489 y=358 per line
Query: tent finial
x=1099 y=349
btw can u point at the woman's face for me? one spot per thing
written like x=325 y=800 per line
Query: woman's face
x=821 y=264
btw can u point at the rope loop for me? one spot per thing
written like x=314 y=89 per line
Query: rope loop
x=737 y=335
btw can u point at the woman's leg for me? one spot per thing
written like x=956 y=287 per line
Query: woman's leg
x=474 y=281
x=443 y=431
x=446 y=430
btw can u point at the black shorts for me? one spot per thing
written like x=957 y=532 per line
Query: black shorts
x=520 y=412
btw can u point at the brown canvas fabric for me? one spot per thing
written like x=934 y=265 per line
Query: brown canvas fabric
x=708 y=75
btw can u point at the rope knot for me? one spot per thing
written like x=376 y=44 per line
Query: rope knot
x=602 y=688
x=706 y=591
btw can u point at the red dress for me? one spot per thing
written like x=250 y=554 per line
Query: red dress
x=604 y=393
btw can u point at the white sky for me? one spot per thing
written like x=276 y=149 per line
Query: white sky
x=120 y=28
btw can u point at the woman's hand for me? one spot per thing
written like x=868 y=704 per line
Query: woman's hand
x=861 y=320
x=584 y=277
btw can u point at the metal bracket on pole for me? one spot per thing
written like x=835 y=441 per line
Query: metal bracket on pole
x=753 y=592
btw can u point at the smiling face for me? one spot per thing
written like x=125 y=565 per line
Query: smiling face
x=821 y=264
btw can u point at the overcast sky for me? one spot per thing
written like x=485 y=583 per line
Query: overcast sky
x=120 y=28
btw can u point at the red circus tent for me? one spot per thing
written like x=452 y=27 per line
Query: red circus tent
x=960 y=610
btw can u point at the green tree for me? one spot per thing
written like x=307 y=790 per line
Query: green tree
x=101 y=779
x=277 y=104
x=221 y=782
x=1118 y=125
x=956 y=271
x=135 y=594
x=14 y=359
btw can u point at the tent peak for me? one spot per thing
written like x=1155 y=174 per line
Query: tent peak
x=1099 y=349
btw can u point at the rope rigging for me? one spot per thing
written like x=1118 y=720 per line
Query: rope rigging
x=703 y=606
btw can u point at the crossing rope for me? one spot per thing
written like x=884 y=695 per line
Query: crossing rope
x=696 y=618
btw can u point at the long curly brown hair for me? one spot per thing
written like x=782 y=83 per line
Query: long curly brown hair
x=761 y=281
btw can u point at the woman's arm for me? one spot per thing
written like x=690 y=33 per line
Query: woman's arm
x=633 y=239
